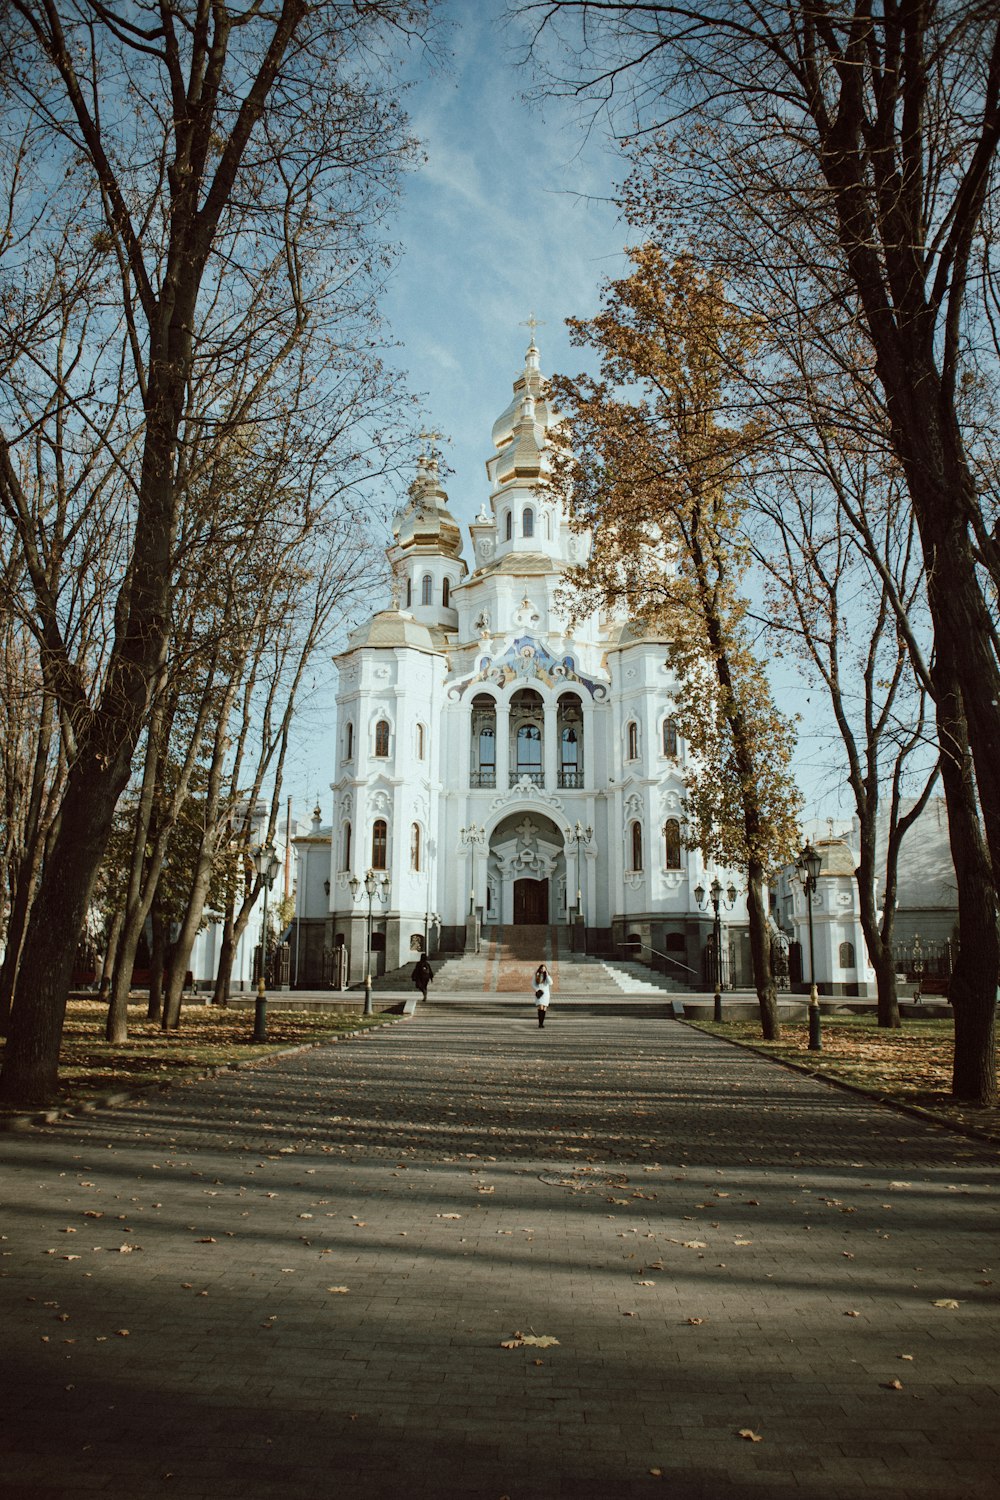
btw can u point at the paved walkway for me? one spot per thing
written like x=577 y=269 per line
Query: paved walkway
x=297 y=1280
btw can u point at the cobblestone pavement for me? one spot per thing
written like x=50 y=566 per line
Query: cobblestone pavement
x=297 y=1280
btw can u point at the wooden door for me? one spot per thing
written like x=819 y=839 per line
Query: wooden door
x=531 y=902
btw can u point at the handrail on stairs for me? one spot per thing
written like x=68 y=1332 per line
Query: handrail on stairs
x=645 y=948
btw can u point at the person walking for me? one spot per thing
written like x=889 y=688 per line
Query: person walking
x=543 y=991
x=422 y=975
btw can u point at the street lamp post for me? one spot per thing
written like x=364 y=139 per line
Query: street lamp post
x=808 y=866
x=372 y=885
x=267 y=864
x=918 y=968
x=715 y=898
x=584 y=837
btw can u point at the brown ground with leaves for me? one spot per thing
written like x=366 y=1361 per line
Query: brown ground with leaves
x=910 y=1066
x=208 y=1037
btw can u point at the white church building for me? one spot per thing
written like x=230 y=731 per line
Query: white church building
x=498 y=769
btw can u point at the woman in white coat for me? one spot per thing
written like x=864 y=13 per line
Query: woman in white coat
x=543 y=990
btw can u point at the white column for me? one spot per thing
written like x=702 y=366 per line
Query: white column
x=549 y=746
x=503 y=747
x=463 y=761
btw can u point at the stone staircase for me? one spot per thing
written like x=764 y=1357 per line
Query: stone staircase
x=507 y=960
x=508 y=957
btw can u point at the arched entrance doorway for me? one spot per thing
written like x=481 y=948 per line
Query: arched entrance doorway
x=527 y=871
x=531 y=902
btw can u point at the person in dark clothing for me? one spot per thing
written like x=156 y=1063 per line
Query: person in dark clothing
x=422 y=975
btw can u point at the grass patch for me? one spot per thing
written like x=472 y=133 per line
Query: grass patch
x=208 y=1037
x=911 y=1065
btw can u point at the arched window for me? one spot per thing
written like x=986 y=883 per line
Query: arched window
x=529 y=750
x=847 y=956
x=415 y=846
x=569 y=724
x=636 y=842
x=508 y=526
x=409 y=592
x=445 y=593
x=345 y=848
x=421 y=742
x=427 y=589
x=483 y=760
x=672 y=844
x=670 y=737
x=528 y=522
x=382 y=737
x=632 y=751
x=349 y=742
x=380 y=840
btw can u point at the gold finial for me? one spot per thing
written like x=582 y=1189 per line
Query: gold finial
x=431 y=438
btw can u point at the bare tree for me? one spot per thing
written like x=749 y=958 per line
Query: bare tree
x=848 y=154
x=263 y=136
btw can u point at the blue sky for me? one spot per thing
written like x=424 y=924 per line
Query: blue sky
x=509 y=216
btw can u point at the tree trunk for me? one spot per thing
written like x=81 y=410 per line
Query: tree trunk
x=31 y=1058
x=973 y=987
x=878 y=940
x=227 y=953
x=29 y=866
x=760 y=953
x=16 y=927
x=111 y=1032
x=157 y=962
x=184 y=941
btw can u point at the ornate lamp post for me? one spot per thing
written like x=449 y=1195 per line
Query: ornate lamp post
x=373 y=885
x=808 y=866
x=918 y=968
x=267 y=864
x=474 y=836
x=584 y=837
x=715 y=899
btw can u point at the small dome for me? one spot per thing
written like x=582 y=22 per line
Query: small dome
x=836 y=856
x=531 y=383
x=425 y=521
x=521 y=458
x=393 y=627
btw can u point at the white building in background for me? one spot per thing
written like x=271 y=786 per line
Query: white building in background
x=498 y=768
x=208 y=944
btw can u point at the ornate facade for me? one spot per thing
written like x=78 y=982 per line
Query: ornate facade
x=498 y=767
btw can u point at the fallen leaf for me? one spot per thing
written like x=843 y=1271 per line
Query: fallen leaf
x=696 y=1322
x=531 y=1340
x=946 y=1302
x=852 y=1314
x=891 y=1385
x=122 y=1333
x=341 y=1289
x=447 y=1216
x=905 y=1356
x=749 y=1435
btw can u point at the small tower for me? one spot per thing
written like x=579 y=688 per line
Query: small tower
x=426 y=552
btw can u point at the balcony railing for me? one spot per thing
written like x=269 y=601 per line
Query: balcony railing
x=571 y=779
x=537 y=778
x=485 y=776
